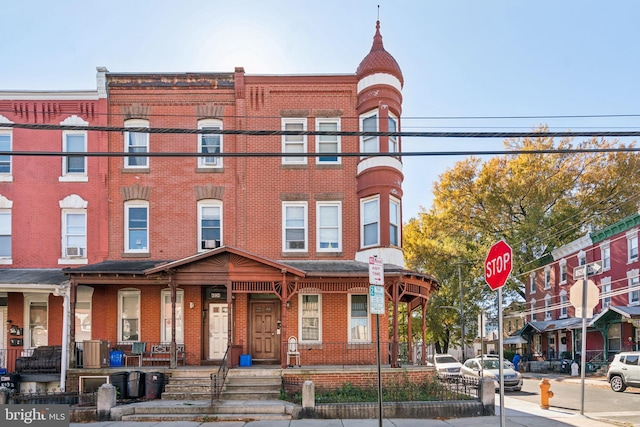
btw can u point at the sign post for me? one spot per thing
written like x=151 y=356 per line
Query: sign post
x=589 y=299
x=497 y=268
x=376 y=302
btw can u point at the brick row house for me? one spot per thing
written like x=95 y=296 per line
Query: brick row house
x=216 y=239
x=552 y=330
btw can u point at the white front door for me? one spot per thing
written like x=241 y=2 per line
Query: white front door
x=218 y=330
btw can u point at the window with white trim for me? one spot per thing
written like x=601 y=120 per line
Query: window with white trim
x=136 y=223
x=5 y=233
x=83 y=313
x=632 y=245
x=294 y=226
x=394 y=222
x=74 y=233
x=128 y=315
x=209 y=224
x=393 y=139
x=547 y=277
x=327 y=145
x=532 y=283
x=38 y=318
x=533 y=310
x=329 y=219
x=634 y=286
x=294 y=144
x=165 y=333
x=605 y=255
x=564 y=304
x=605 y=291
x=74 y=142
x=547 y=307
x=370 y=221
x=563 y=271
x=136 y=142
x=210 y=144
x=359 y=319
x=369 y=123
x=6 y=146
x=310 y=315
x=582 y=258
x=614 y=338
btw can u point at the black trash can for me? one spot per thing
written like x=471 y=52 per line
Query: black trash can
x=119 y=381
x=153 y=385
x=136 y=384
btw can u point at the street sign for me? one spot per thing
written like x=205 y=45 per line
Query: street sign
x=376 y=299
x=591 y=269
x=376 y=271
x=498 y=265
x=576 y=291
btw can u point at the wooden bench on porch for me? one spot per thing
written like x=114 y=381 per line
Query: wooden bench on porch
x=161 y=353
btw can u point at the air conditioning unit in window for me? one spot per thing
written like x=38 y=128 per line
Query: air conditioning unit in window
x=75 y=252
x=210 y=244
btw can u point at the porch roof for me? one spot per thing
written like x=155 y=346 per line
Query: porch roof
x=115 y=267
x=26 y=276
x=553 y=325
x=616 y=313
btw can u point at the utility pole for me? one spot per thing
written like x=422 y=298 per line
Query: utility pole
x=464 y=356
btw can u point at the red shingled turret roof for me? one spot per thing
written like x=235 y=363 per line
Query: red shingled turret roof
x=379 y=60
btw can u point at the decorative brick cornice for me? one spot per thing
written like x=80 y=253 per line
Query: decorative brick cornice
x=294 y=197
x=136 y=111
x=328 y=196
x=294 y=113
x=209 y=191
x=135 y=192
x=328 y=113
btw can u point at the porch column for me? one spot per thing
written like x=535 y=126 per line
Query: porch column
x=394 y=344
x=172 y=346
x=409 y=334
x=283 y=320
x=424 y=332
x=73 y=292
x=229 y=324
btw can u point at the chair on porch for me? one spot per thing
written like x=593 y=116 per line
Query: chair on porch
x=292 y=352
x=137 y=350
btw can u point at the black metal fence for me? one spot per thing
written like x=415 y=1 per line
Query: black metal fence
x=54 y=398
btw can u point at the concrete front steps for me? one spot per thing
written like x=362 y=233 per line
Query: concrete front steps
x=200 y=411
x=252 y=384
x=189 y=384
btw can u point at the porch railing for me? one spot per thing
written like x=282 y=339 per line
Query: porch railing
x=348 y=354
x=8 y=357
x=218 y=379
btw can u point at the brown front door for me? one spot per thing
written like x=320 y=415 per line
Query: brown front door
x=265 y=340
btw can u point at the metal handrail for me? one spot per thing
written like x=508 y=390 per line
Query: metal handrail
x=218 y=379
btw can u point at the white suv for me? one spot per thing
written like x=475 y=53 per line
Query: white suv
x=446 y=365
x=624 y=371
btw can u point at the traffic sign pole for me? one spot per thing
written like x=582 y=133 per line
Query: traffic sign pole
x=583 y=356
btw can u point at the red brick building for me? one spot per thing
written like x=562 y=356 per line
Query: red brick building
x=553 y=331
x=52 y=211
x=224 y=235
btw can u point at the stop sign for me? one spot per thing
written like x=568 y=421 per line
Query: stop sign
x=498 y=265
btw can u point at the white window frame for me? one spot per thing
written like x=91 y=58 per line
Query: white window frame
x=563 y=271
x=134 y=204
x=632 y=245
x=324 y=142
x=393 y=139
x=6 y=230
x=395 y=228
x=66 y=174
x=547 y=277
x=131 y=162
x=165 y=316
x=367 y=338
x=122 y=294
x=287 y=226
x=8 y=133
x=533 y=310
x=82 y=246
x=203 y=204
x=547 y=307
x=582 y=258
x=605 y=255
x=605 y=291
x=30 y=300
x=302 y=316
x=532 y=283
x=564 y=304
x=323 y=226
x=210 y=161
x=369 y=144
x=294 y=141
x=364 y=221
x=83 y=313
x=634 y=286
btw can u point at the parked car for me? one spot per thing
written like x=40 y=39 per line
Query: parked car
x=495 y=356
x=476 y=368
x=624 y=371
x=446 y=365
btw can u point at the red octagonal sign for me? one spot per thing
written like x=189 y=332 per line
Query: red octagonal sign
x=498 y=265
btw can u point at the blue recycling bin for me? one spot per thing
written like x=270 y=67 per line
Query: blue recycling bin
x=245 y=360
x=116 y=358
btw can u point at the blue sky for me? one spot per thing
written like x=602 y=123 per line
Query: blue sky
x=500 y=58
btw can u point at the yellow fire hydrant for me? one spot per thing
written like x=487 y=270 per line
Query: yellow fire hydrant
x=545 y=393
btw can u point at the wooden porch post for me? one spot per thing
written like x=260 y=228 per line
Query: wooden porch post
x=394 y=344
x=409 y=334
x=229 y=325
x=283 y=319
x=73 y=290
x=172 y=346
x=424 y=332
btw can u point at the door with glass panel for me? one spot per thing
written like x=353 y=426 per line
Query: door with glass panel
x=218 y=330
